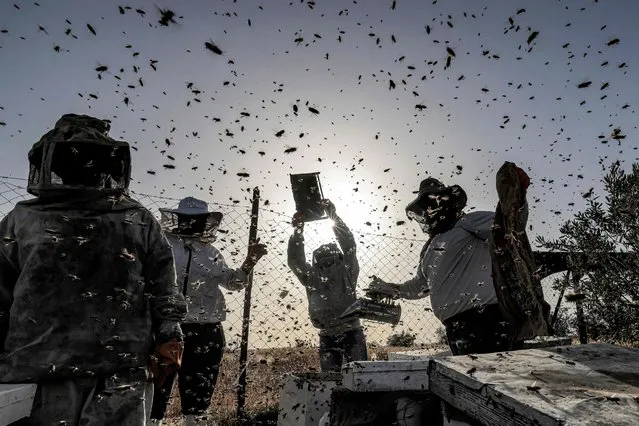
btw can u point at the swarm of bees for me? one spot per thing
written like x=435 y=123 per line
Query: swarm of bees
x=243 y=121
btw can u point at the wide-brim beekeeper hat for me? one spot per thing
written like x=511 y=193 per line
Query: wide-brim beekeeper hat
x=433 y=192
x=191 y=206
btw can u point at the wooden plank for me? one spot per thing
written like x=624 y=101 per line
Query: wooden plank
x=571 y=385
x=16 y=401
x=426 y=354
x=385 y=376
x=547 y=342
x=417 y=355
x=537 y=342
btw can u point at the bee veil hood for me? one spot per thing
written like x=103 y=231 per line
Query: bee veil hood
x=77 y=160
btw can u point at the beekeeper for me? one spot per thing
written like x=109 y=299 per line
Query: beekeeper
x=87 y=284
x=456 y=265
x=201 y=269
x=330 y=283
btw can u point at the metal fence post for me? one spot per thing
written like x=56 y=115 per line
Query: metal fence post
x=241 y=386
x=279 y=317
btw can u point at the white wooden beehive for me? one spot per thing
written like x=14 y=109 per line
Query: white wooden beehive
x=16 y=401
x=305 y=398
x=386 y=376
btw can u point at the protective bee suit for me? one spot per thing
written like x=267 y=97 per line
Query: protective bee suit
x=202 y=272
x=330 y=283
x=87 y=283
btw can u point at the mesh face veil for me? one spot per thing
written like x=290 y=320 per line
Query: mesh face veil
x=434 y=213
x=87 y=164
x=420 y=219
x=203 y=225
x=327 y=255
x=78 y=154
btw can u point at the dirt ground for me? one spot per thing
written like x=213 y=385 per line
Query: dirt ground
x=264 y=373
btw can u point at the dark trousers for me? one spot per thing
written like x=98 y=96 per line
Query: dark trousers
x=480 y=330
x=339 y=349
x=203 y=351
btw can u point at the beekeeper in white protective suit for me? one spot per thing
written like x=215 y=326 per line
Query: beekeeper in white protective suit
x=87 y=284
x=330 y=283
x=201 y=270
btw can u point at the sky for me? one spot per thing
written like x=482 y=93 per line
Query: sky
x=374 y=145
x=542 y=84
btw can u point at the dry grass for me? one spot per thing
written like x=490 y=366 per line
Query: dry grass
x=264 y=374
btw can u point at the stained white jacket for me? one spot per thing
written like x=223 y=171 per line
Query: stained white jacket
x=456 y=268
x=208 y=271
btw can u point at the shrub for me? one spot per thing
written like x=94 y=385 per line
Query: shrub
x=403 y=339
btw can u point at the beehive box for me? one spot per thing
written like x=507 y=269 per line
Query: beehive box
x=16 y=402
x=386 y=376
x=305 y=398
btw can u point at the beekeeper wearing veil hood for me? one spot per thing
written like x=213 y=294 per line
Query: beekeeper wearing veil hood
x=201 y=271
x=477 y=267
x=330 y=283
x=89 y=307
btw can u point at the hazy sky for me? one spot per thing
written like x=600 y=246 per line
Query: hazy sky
x=500 y=99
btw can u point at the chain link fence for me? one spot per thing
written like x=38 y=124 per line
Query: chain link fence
x=280 y=328
x=279 y=315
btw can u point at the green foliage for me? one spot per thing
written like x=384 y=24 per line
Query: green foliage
x=566 y=324
x=403 y=339
x=610 y=284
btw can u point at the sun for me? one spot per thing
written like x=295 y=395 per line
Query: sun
x=319 y=232
x=354 y=214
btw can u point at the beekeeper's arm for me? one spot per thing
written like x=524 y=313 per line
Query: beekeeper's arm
x=8 y=277
x=168 y=307
x=345 y=239
x=415 y=288
x=234 y=279
x=296 y=255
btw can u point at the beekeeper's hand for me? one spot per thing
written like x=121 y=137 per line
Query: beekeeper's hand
x=298 y=221
x=254 y=254
x=257 y=251
x=380 y=286
x=166 y=360
x=329 y=208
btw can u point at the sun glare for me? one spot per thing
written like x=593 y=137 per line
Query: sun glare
x=320 y=231
x=353 y=214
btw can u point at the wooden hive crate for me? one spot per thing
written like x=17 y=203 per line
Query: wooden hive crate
x=16 y=401
x=305 y=398
x=386 y=376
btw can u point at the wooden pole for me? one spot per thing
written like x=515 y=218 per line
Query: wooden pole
x=241 y=382
x=561 y=296
x=581 y=319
